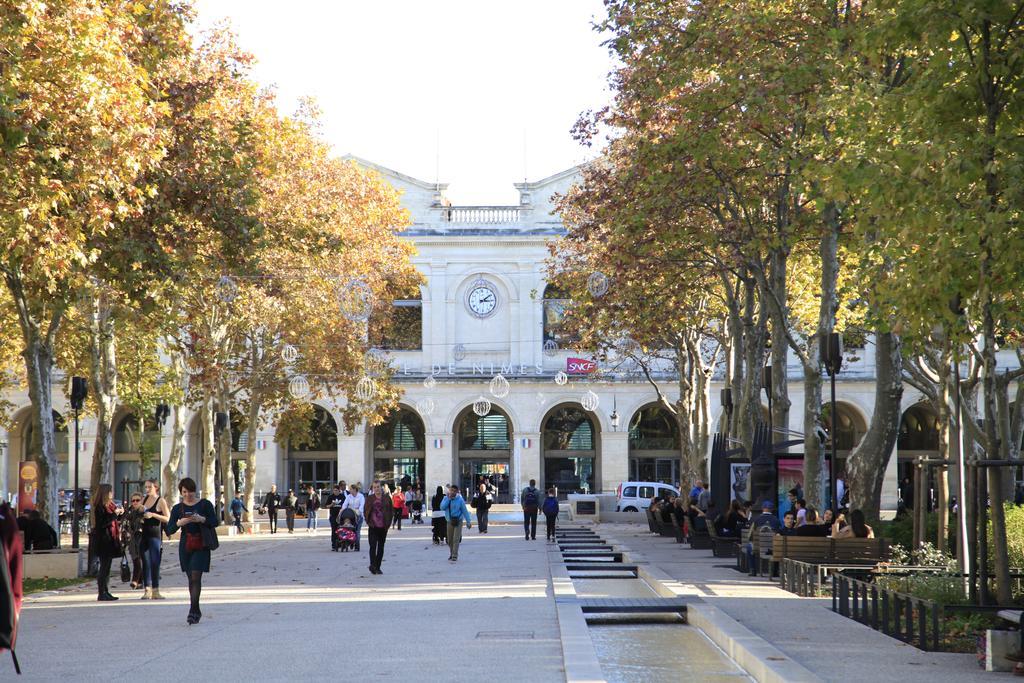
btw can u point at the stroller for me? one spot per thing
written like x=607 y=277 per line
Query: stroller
x=417 y=512
x=345 y=534
x=440 y=527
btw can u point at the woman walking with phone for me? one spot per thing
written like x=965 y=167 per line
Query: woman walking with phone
x=196 y=518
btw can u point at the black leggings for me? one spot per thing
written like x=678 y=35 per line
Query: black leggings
x=397 y=520
x=195 y=587
x=103 y=575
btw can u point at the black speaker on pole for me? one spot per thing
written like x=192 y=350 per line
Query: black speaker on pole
x=766 y=379
x=79 y=390
x=220 y=423
x=832 y=352
x=727 y=400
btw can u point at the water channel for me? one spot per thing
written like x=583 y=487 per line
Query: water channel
x=650 y=646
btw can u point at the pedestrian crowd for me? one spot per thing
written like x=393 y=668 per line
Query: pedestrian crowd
x=134 y=531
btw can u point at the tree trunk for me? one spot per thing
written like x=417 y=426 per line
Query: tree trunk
x=103 y=378
x=816 y=473
x=170 y=470
x=780 y=345
x=867 y=463
x=1004 y=593
x=227 y=475
x=250 y=456
x=208 y=482
x=748 y=412
x=43 y=447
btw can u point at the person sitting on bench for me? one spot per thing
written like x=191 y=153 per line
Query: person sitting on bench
x=855 y=529
x=768 y=519
x=812 y=526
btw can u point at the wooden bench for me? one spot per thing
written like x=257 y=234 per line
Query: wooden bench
x=828 y=553
x=722 y=546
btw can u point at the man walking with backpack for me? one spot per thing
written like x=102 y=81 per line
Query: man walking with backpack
x=550 y=510
x=531 y=503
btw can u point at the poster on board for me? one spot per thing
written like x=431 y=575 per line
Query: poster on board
x=791 y=475
x=739 y=481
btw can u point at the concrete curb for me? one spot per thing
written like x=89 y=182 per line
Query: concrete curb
x=578 y=655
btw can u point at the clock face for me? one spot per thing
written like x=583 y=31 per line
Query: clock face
x=482 y=300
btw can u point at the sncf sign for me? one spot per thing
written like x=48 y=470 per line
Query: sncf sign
x=579 y=366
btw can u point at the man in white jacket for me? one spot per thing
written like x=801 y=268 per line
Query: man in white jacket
x=355 y=501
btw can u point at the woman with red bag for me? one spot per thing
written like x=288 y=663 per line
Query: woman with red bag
x=105 y=537
x=196 y=518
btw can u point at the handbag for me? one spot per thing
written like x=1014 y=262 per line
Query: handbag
x=209 y=536
x=126 y=571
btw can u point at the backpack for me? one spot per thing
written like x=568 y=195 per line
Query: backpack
x=530 y=498
x=10 y=584
x=550 y=506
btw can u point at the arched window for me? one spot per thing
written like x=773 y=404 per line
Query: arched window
x=849 y=429
x=919 y=429
x=402 y=329
x=398 y=456
x=654 y=446
x=654 y=429
x=556 y=303
x=323 y=433
x=569 y=429
x=488 y=433
x=60 y=434
x=569 y=451
x=128 y=439
x=403 y=431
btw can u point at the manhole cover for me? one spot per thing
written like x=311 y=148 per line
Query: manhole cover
x=505 y=635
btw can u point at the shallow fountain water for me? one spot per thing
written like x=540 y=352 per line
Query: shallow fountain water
x=651 y=647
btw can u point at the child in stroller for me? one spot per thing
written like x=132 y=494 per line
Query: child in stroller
x=346 y=531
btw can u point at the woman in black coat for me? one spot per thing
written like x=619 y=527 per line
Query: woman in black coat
x=191 y=515
x=105 y=538
x=438 y=522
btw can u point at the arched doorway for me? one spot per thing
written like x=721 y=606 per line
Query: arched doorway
x=654 y=446
x=60 y=437
x=484 y=445
x=314 y=460
x=136 y=454
x=569 y=451
x=919 y=436
x=399 y=452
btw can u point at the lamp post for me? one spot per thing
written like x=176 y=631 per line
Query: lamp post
x=766 y=384
x=79 y=390
x=614 y=417
x=832 y=357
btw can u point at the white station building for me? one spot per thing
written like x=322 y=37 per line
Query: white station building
x=484 y=310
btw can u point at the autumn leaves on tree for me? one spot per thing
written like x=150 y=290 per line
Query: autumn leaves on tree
x=144 y=176
x=777 y=170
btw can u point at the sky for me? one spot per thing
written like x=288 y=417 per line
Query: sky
x=475 y=93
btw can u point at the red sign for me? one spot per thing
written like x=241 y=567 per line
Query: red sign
x=579 y=366
x=28 y=484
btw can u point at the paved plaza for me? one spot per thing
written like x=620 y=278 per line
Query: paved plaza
x=286 y=606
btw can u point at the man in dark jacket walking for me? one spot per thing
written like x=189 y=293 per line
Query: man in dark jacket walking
x=378 y=512
x=271 y=502
x=482 y=502
x=530 y=500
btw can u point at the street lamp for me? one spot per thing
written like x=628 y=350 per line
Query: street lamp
x=726 y=400
x=614 y=417
x=832 y=358
x=79 y=390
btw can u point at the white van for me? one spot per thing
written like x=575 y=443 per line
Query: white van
x=634 y=496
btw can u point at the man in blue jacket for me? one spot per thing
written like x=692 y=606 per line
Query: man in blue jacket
x=456 y=513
